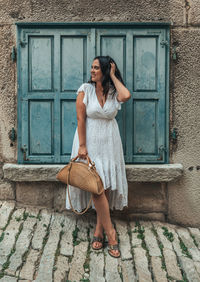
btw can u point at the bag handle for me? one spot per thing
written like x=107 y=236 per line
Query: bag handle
x=89 y=162
x=90 y=201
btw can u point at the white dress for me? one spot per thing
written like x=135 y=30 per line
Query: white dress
x=104 y=147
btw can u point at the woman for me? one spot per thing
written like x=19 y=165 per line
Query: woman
x=97 y=135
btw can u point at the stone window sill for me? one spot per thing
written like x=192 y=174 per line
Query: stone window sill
x=135 y=173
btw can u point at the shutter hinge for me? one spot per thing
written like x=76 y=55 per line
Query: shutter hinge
x=13 y=54
x=24 y=150
x=164 y=43
x=161 y=150
x=12 y=134
x=23 y=44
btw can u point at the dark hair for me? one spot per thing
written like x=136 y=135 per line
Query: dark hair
x=107 y=82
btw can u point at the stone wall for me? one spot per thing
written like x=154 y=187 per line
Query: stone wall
x=183 y=202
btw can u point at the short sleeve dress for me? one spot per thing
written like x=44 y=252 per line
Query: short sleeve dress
x=104 y=147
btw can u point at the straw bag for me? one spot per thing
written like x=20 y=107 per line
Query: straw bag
x=83 y=176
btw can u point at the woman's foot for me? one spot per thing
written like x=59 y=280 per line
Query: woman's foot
x=113 y=246
x=97 y=241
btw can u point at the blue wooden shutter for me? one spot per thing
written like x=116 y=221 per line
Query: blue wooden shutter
x=54 y=62
x=141 y=57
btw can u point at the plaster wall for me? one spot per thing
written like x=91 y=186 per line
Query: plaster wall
x=184 y=15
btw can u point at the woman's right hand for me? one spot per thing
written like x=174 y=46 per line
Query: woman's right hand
x=82 y=152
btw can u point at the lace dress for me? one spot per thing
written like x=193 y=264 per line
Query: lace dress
x=104 y=147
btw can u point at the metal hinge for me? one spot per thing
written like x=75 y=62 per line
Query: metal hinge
x=13 y=54
x=12 y=134
x=24 y=150
x=164 y=43
x=161 y=150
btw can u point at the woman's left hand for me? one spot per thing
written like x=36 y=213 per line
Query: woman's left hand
x=112 y=69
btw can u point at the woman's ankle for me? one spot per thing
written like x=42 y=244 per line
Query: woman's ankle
x=98 y=232
x=112 y=236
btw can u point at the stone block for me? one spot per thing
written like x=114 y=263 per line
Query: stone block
x=7 y=190
x=151 y=240
x=62 y=267
x=48 y=256
x=163 y=239
x=9 y=279
x=59 y=11
x=10 y=235
x=136 y=242
x=188 y=266
x=76 y=271
x=158 y=272
x=5 y=212
x=171 y=264
x=111 y=268
x=66 y=243
x=193 y=12
x=141 y=264
x=97 y=266
x=128 y=271
x=189 y=243
x=147 y=197
x=41 y=229
x=59 y=198
x=35 y=193
x=28 y=268
x=147 y=216
x=154 y=173
x=23 y=243
x=125 y=246
x=196 y=233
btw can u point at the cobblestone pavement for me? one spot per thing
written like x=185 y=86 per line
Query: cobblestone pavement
x=41 y=245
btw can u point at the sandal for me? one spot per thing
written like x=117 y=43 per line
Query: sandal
x=114 y=247
x=97 y=239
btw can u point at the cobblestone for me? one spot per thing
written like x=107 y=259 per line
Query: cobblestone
x=196 y=233
x=62 y=267
x=67 y=238
x=189 y=269
x=188 y=241
x=41 y=227
x=141 y=263
x=47 y=260
x=150 y=239
x=10 y=233
x=171 y=264
x=23 y=240
x=28 y=268
x=96 y=273
x=5 y=211
x=43 y=246
x=125 y=246
x=158 y=272
x=76 y=267
x=111 y=269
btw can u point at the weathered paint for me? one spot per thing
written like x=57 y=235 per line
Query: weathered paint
x=53 y=62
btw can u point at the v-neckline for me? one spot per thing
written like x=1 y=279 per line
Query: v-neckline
x=98 y=100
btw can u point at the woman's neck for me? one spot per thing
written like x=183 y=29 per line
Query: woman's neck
x=99 y=86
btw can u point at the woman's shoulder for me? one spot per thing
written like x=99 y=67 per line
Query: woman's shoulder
x=86 y=87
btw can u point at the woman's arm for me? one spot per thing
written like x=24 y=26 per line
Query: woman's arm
x=123 y=93
x=81 y=118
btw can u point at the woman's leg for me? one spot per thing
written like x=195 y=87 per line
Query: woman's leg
x=103 y=212
x=99 y=226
